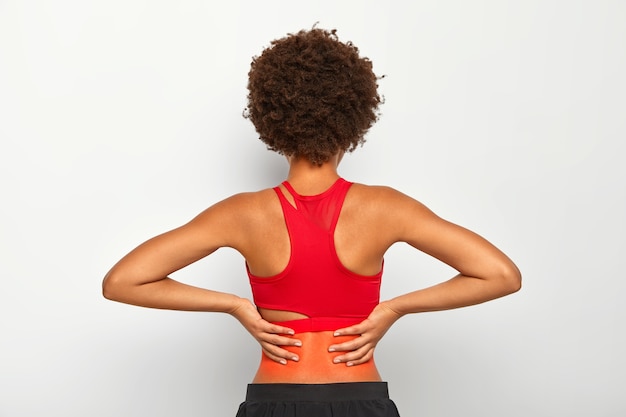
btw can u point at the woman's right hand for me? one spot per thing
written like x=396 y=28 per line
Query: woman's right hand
x=270 y=336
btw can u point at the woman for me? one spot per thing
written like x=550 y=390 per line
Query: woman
x=314 y=245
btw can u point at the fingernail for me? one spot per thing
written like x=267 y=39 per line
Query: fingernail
x=295 y=358
x=349 y=364
x=291 y=332
x=336 y=360
x=298 y=344
x=331 y=349
x=337 y=334
x=283 y=361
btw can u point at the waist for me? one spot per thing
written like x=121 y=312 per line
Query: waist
x=315 y=365
x=315 y=392
x=319 y=324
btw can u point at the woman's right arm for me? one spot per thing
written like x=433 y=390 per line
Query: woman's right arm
x=484 y=271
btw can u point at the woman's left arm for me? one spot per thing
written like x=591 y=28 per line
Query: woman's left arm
x=141 y=277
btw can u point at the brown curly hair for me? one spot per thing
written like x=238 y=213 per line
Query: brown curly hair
x=311 y=95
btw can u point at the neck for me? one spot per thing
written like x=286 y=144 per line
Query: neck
x=308 y=178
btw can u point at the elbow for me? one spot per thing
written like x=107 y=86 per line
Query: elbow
x=511 y=279
x=111 y=287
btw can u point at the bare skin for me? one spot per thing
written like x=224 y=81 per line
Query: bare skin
x=364 y=232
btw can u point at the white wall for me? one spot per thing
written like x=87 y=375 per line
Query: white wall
x=122 y=119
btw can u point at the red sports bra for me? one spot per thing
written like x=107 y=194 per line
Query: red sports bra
x=314 y=282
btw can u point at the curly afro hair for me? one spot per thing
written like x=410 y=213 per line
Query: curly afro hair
x=311 y=95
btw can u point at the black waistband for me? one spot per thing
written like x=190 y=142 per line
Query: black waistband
x=316 y=392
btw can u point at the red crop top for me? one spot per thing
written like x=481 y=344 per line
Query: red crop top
x=314 y=282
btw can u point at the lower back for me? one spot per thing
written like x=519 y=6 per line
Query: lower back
x=316 y=364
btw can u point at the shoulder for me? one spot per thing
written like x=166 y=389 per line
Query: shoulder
x=384 y=197
x=241 y=205
x=380 y=191
x=231 y=218
x=390 y=209
x=246 y=201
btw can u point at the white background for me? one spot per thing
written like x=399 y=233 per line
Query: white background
x=122 y=119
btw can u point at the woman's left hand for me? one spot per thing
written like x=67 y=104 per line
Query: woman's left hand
x=361 y=349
